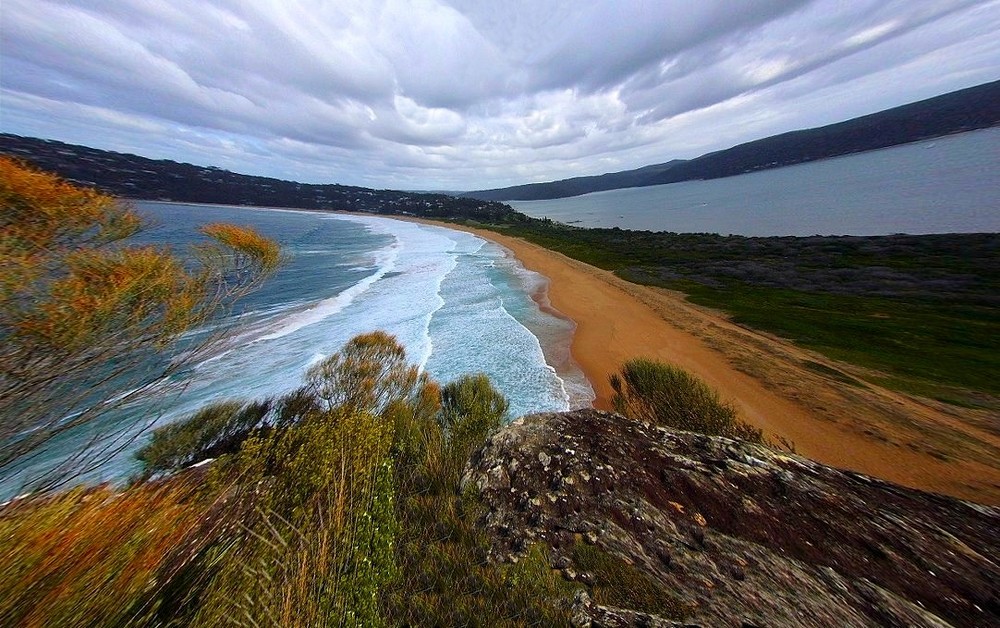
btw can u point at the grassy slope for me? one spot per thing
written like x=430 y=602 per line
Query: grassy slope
x=922 y=348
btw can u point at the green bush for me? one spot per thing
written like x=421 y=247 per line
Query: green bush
x=215 y=429
x=337 y=504
x=370 y=374
x=471 y=409
x=221 y=428
x=666 y=395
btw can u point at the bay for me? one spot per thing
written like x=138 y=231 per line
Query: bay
x=945 y=185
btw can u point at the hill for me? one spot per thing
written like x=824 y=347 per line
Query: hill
x=956 y=112
x=577 y=185
x=131 y=176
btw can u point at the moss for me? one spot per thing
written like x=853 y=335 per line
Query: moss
x=617 y=583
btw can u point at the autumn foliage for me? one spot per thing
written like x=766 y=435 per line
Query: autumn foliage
x=82 y=313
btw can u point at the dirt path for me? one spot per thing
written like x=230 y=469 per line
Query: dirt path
x=819 y=405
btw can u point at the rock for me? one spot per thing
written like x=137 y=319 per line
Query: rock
x=742 y=534
x=586 y=614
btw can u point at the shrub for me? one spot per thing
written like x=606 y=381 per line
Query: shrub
x=471 y=409
x=666 y=395
x=83 y=315
x=319 y=546
x=370 y=374
x=221 y=428
x=216 y=429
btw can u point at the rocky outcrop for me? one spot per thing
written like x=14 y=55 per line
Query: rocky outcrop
x=740 y=534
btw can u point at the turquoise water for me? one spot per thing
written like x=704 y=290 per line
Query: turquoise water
x=945 y=185
x=458 y=304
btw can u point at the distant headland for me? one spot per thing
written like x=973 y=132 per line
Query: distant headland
x=964 y=110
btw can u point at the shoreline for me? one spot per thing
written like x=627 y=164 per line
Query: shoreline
x=559 y=353
x=617 y=320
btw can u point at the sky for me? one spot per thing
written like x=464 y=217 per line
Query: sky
x=469 y=94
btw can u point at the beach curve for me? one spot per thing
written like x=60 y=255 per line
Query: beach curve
x=856 y=430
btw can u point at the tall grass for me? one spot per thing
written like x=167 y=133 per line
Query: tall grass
x=445 y=576
x=91 y=557
x=667 y=395
x=317 y=544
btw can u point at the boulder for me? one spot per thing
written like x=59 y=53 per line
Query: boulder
x=741 y=534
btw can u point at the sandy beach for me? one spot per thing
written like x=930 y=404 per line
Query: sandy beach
x=860 y=428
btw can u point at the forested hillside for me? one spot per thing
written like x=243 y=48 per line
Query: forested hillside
x=132 y=176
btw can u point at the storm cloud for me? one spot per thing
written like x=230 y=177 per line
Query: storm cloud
x=463 y=94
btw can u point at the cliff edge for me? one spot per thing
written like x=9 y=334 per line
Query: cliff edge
x=735 y=534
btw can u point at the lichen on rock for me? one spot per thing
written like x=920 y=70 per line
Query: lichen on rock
x=737 y=534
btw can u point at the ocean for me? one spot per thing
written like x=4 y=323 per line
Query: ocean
x=459 y=304
x=944 y=185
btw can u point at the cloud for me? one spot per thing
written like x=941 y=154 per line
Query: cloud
x=452 y=94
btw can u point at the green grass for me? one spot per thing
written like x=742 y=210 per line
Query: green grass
x=616 y=583
x=446 y=579
x=923 y=348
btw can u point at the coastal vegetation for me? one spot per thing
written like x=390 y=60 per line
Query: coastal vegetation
x=83 y=315
x=331 y=506
x=665 y=395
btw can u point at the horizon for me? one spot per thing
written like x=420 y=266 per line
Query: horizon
x=462 y=97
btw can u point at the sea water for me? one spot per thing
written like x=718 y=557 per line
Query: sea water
x=457 y=303
x=944 y=185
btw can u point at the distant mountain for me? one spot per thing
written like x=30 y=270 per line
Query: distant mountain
x=135 y=177
x=963 y=110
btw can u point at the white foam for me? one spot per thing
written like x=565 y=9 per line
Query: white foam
x=385 y=261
